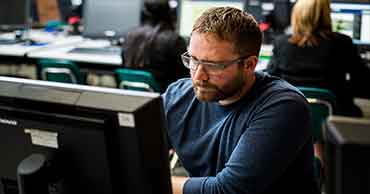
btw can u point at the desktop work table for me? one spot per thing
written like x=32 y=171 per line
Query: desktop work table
x=54 y=46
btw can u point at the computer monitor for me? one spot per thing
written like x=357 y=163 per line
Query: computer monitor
x=350 y=1
x=347 y=155
x=14 y=14
x=110 y=18
x=281 y=15
x=93 y=140
x=352 y=19
x=66 y=9
x=190 y=10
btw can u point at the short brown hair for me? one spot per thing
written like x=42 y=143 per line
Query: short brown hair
x=233 y=25
x=310 y=22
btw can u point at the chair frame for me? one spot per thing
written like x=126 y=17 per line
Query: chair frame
x=143 y=85
x=136 y=79
x=60 y=70
x=326 y=98
x=321 y=101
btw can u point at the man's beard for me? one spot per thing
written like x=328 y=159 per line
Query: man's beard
x=209 y=92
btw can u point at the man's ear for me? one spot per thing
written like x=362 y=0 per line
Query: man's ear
x=251 y=62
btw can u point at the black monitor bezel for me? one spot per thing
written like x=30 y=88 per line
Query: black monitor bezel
x=83 y=111
x=25 y=24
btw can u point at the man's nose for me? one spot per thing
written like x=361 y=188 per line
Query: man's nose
x=200 y=73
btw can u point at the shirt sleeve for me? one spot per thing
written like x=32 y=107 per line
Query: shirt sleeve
x=271 y=142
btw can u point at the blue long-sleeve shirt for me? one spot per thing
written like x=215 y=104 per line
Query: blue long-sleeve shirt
x=259 y=144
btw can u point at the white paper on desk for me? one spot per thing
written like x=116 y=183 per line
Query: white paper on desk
x=41 y=36
x=7 y=35
x=94 y=43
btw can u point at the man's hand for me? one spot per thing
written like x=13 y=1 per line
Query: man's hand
x=178 y=184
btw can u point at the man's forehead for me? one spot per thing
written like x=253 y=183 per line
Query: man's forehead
x=199 y=41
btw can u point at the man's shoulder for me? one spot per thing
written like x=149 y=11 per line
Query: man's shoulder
x=179 y=88
x=180 y=85
x=178 y=94
x=269 y=85
x=273 y=94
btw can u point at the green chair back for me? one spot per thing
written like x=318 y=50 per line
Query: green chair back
x=322 y=102
x=134 y=79
x=60 y=71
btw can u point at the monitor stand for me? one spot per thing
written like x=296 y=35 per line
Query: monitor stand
x=110 y=35
x=37 y=175
x=25 y=38
x=32 y=175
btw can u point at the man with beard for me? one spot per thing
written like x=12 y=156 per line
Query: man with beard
x=236 y=130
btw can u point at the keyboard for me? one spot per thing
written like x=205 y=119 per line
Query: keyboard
x=97 y=51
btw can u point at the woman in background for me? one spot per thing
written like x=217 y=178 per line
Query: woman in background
x=316 y=56
x=155 y=46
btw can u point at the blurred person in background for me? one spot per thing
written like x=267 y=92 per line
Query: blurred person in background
x=315 y=56
x=154 y=46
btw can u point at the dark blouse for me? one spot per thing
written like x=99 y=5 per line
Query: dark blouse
x=334 y=64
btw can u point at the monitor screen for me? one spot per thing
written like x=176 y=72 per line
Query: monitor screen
x=14 y=14
x=110 y=18
x=65 y=9
x=93 y=140
x=347 y=155
x=190 y=10
x=352 y=19
x=351 y=1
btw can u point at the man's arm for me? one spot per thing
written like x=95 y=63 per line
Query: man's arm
x=178 y=184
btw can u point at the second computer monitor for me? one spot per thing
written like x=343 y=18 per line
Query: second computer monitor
x=110 y=18
x=14 y=14
x=190 y=10
x=352 y=19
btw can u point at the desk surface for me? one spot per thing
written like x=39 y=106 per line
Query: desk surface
x=58 y=46
x=47 y=40
x=63 y=53
x=349 y=130
x=17 y=50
